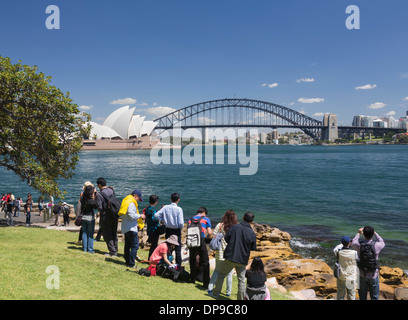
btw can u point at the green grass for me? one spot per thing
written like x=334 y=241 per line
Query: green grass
x=27 y=252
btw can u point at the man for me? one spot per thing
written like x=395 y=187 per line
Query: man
x=172 y=217
x=202 y=249
x=241 y=239
x=129 y=212
x=368 y=252
x=347 y=280
x=109 y=222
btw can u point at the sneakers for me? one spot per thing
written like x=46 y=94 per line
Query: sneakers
x=111 y=255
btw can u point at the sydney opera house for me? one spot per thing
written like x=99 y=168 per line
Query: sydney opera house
x=122 y=129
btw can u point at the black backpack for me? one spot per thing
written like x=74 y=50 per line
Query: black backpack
x=368 y=258
x=112 y=204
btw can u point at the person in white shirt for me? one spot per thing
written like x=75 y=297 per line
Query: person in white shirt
x=347 y=281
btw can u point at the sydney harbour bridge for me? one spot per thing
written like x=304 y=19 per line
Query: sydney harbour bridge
x=249 y=113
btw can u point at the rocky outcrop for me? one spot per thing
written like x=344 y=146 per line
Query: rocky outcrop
x=297 y=274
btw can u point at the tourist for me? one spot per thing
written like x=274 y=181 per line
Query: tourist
x=17 y=206
x=57 y=211
x=9 y=210
x=172 y=217
x=162 y=254
x=228 y=219
x=79 y=208
x=40 y=205
x=129 y=212
x=256 y=278
x=30 y=201
x=27 y=212
x=154 y=228
x=88 y=205
x=108 y=221
x=368 y=252
x=65 y=213
x=241 y=239
x=347 y=279
x=201 y=251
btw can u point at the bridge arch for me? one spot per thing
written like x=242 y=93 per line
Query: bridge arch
x=240 y=113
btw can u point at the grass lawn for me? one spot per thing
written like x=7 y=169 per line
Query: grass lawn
x=27 y=252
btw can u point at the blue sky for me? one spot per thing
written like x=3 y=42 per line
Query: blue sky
x=170 y=54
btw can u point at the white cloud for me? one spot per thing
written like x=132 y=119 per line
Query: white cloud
x=302 y=111
x=143 y=104
x=124 y=101
x=305 y=80
x=391 y=113
x=85 y=107
x=310 y=100
x=319 y=114
x=366 y=87
x=405 y=99
x=160 y=111
x=377 y=105
x=270 y=85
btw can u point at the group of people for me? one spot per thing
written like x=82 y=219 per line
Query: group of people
x=357 y=265
x=238 y=238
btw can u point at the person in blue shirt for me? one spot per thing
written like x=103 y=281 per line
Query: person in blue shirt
x=201 y=251
x=172 y=217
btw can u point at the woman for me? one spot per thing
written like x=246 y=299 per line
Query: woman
x=154 y=229
x=40 y=205
x=88 y=204
x=256 y=278
x=229 y=219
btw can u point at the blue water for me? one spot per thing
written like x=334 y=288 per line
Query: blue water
x=316 y=193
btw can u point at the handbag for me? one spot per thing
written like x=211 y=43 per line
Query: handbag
x=216 y=242
x=336 y=270
x=78 y=221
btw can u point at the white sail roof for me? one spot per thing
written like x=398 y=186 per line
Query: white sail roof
x=148 y=127
x=122 y=123
x=102 y=132
x=111 y=119
x=135 y=126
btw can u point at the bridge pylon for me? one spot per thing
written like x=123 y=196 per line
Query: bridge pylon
x=330 y=130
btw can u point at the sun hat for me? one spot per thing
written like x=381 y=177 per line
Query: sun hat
x=87 y=183
x=172 y=240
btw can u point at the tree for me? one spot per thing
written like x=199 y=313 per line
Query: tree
x=41 y=129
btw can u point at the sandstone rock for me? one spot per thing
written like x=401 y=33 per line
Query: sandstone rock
x=394 y=277
x=273 y=284
x=386 y=292
x=307 y=294
x=401 y=293
x=300 y=274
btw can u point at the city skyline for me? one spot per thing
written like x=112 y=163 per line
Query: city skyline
x=159 y=57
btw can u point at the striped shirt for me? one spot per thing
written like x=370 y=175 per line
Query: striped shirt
x=205 y=223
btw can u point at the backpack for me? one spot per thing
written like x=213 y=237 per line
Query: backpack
x=56 y=209
x=194 y=233
x=368 y=260
x=112 y=204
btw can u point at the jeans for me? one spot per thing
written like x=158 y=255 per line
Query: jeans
x=28 y=218
x=223 y=269
x=17 y=210
x=9 y=218
x=88 y=228
x=369 y=285
x=131 y=247
x=214 y=278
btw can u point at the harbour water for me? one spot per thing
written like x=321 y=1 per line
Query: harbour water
x=316 y=193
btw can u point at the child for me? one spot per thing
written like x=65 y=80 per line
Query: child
x=256 y=278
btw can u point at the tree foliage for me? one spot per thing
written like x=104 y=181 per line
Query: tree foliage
x=41 y=129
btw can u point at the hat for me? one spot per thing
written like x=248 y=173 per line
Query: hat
x=345 y=239
x=138 y=193
x=172 y=240
x=87 y=183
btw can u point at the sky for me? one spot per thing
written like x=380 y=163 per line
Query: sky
x=161 y=55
